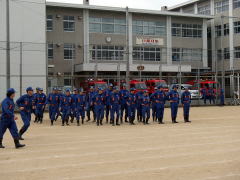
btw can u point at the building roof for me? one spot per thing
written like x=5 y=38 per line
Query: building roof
x=183 y=4
x=131 y=10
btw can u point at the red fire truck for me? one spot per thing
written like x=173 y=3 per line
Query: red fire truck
x=151 y=84
x=138 y=85
x=92 y=83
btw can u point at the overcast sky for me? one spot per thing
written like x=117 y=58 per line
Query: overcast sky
x=141 y=4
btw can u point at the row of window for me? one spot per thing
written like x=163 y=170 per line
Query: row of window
x=221 y=6
x=149 y=28
x=107 y=25
x=118 y=26
x=187 y=30
x=103 y=52
x=226 y=53
x=218 y=29
x=68 y=52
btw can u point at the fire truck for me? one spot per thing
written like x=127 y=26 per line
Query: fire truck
x=93 y=83
x=151 y=84
x=138 y=85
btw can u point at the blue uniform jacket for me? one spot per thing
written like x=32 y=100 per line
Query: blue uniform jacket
x=173 y=96
x=115 y=99
x=99 y=99
x=40 y=99
x=8 y=108
x=27 y=102
x=123 y=94
x=145 y=100
x=159 y=97
x=131 y=99
x=186 y=97
x=54 y=99
x=108 y=94
x=66 y=102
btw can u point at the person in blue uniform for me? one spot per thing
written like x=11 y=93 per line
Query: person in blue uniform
x=80 y=106
x=99 y=102
x=115 y=106
x=60 y=95
x=159 y=97
x=123 y=94
x=204 y=95
x=34 y=97
x=73 y=108
x=40 y=104
x=211 y=95
x=66 y=107
x=186 y=102
x=173 y=97
x=108 y=94
x=139 y=95
x=131 y=103
x=53 y=101
x=154 y=110
x=8 y=118
x=26 y=106
x=90 y=104
x=145 y=107
x=222 y=97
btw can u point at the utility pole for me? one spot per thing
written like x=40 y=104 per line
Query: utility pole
x=8 y=45
x=127 y=50
x=222 y=55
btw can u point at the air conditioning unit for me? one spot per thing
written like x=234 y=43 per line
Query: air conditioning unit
x=58 y=16
x=58 y=45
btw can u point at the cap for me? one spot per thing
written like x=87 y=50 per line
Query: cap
x=55 y=89
x=145 y=91
x=68 y=90
x=37 y=88
x=40 y=89
x=11 y=90
x=59 y=89
x=110 y=84
x=160 y=86
x=124 y=85
x=29 y=89
x=100 y=89
x=75 y=89
x=80 y=90
x=174 y=86
x=115 y=88
x=132 y=89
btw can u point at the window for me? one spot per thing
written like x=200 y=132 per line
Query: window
x=69 y=51
x=226 y=53
x=107 y=25
x=69 y=23
x=187 y=30
x=218 y=31
x=219 y=54
x=104 y=52
x=236 y=4
x=237 y=52
x=50 y=51
x=204 y=10
x=49 y=22
x=186 y=54
x=221 y=6
x=146 y=54
x=237 y=27
x=226 y=29
x=67 y=82
x=149 y=28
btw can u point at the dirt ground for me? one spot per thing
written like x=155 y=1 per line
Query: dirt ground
x=206 y=149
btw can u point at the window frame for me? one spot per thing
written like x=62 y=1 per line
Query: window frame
x=68 y=21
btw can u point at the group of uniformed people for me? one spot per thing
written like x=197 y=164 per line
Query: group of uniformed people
x=119 y=105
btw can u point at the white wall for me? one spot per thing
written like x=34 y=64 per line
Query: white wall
x=27 y=25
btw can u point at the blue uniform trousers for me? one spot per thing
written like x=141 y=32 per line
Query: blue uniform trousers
x=99 y=111
x=124 y=108
x=159 y=110
x=26 y=118
x=145 y=113
x=53 y=112
x=115 y=110
x=8 y=124
x=174 y=109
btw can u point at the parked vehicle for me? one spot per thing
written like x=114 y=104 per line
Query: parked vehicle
x=92 y=83
x=138 y=85
x=194 y=92
x=152 y=84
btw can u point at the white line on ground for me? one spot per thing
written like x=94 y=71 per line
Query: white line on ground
x=221 y=177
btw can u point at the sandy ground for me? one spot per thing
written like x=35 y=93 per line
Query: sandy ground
x=206 y=149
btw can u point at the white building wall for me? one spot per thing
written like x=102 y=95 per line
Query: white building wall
x=27 y=25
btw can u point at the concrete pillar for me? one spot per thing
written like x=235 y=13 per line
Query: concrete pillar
x=231 y=34
x=86 y=35
x=130 y=35
x=213 y=37
x=195 y=8
x=169 y=40
x=205 y=48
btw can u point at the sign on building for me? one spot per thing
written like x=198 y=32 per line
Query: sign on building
x=149 y=41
